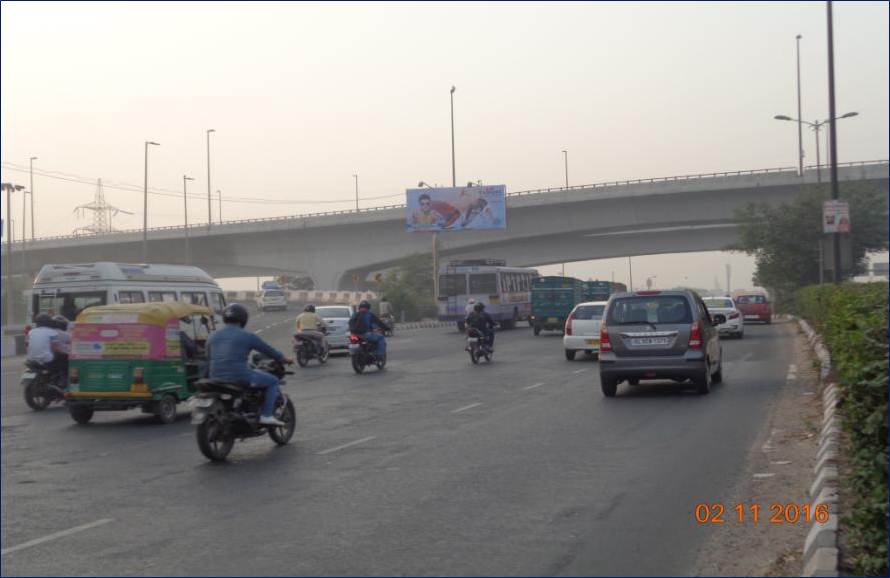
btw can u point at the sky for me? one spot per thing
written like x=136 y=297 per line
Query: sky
x=302 y=96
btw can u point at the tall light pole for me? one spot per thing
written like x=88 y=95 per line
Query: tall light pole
x=31 y=188
x=356 y=192
x=835 y=237
x=566 y=155
x=799 y=113
x=9 y=188
x=435 y=257
x=185 y=207
x=219 y=196
x=630 y=275
x=453 y=169
x=145 y=205
x=817 y=126
x=209 y=211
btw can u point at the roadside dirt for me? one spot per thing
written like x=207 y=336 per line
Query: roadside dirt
x=779 y=470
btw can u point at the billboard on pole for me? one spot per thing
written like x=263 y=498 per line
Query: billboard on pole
x=479 y=208
x=835 y=217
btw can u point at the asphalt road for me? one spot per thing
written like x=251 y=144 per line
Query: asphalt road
x=431 y=467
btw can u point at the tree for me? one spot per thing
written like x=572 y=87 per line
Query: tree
x=409 y=287
x=784 y=239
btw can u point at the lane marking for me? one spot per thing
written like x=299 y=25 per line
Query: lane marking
x=527 y=387
x=792 y=373
x=344 y=446
x=577 y=371
x=54 y=536
x=781 y=463
x=466 y=407
x=747 y=357
x=763 y=476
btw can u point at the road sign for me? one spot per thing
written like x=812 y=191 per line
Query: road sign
x=835 y=216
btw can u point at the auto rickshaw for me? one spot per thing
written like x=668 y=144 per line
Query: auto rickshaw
x=145 y=355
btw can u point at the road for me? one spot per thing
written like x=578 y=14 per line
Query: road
x=432 y=467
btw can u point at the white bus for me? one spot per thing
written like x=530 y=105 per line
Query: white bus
x=506 y=291
x=70 y=288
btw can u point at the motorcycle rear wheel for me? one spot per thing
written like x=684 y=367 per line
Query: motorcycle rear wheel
x=287 y=414
x=358 y=364
x=302 y=358
x=474 y=355
x=36 y=396
x=213 y=441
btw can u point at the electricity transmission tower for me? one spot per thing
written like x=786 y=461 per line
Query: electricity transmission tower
x=103 y=213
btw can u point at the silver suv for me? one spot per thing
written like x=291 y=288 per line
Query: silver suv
x=659 y=335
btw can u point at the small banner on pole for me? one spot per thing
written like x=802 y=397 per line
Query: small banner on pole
x=835 y=217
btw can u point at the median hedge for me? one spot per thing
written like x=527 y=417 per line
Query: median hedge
x=852 y=319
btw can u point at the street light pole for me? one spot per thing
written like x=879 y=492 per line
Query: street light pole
x=453 y=169
x=219 y=196
x=356 y=192
x=630 y=274
x=185 y=206
x=145 y=206
x=209 y=211
x=799 y=113
x=31 y=170
x=566 y=155
x=817 y=126
x=832 y=151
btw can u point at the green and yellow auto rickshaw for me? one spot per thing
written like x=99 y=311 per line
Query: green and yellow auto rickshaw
x=145 y=355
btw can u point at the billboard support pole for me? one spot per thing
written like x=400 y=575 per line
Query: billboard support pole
x=436 y=268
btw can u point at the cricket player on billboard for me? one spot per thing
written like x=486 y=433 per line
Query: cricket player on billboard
x=456 y=208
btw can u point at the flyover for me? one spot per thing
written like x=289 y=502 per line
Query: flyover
x=625 y=218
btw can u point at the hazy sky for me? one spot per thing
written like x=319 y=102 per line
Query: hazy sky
x=303 y=96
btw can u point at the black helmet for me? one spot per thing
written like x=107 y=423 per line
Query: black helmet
x=235 y=313
x=479 y=307
x=364 y=304
x=309 y=308
x=43 y=320
x=61 y=322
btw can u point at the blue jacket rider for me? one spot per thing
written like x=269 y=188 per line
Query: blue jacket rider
x=228 y=350
x=364 y=323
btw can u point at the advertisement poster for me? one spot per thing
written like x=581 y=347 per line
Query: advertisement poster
x=835 y=217
x=481 y=208
x=121 y=341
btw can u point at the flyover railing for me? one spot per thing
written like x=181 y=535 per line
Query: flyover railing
x=604 y=184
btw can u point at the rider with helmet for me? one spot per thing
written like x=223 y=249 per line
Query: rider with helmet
x=483 y=323
x=311 y=326
x=45 y=346
x=228 y=350
x=365 y=324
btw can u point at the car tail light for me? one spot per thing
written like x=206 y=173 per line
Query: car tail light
x=733 y=315
x=695 y=336
x=138 y=374
x=569 y=323
x=605 y=341
x=353 y=338
x=73 y=375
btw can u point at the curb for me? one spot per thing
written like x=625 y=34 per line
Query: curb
x=423 y=325
x=820 y=550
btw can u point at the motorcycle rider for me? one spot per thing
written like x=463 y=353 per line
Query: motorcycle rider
x=228 y=350
x=310 y=326
x=483 y=323
x=364 y=323
x=43 y=345
x=471 y=303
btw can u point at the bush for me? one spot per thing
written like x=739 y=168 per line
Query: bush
x=852 y=319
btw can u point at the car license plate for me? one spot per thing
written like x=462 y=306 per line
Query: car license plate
x=29 y=375
x=472 y=340
x=552 y=320
x=650 y=341
x=353 y=347
x=592 y=341
x=752 y=316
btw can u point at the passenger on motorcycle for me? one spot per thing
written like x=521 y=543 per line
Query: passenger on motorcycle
x=228 y=350
x=471 y=303
x=364 y=324
x=482 y=322
x=45 y=346
x=310 y=326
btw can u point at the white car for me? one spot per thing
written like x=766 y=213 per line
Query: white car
x=337 y=318
x=735 y=321
x=271 y=299
x=582 y=331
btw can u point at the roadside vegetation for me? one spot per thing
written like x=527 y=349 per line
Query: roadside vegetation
x=409 y=288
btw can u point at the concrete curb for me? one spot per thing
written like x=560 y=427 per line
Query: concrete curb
x=820 y=551
x=423 y=325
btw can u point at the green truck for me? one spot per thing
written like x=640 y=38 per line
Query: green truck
x=553 y=299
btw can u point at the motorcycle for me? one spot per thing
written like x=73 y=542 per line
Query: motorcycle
x=225 y=411
x=477 y=346
x=363 y=353
x=389 y=325
x=306 y=348
x=42 y=385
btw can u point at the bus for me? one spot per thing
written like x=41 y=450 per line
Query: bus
x=68 y=289
x=602 y=290
x=505 y=291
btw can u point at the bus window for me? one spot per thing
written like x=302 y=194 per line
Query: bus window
x=68 y=304
x=195 y=298
x=161 y=296
x=484 y=283
x=452 y=285
x=217 y=302
x=130 y=297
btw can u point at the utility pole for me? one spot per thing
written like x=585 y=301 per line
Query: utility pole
x=209 y=210
x=185 y=206
x=835 y=237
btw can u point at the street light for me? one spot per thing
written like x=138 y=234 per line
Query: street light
x=185 y=206
x=31 y=170
x=816 y=126
x=356 y=192
x=219 y=196
x=145 y=205
x=209 y=213
x=566 y=155
x=799 y=113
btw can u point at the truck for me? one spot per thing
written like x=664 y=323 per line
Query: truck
x=602 y=290
x=553 y=299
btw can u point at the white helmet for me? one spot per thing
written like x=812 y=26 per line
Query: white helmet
x=470 y=301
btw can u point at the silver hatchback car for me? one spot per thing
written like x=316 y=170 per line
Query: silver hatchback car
x=659 y=335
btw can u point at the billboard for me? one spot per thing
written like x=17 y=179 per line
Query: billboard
x=835 y=217
x=480 y=208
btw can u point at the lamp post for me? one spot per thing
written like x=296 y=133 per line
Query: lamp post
x=31 y=188
x=799 y=113
x=356 y=192
x=9 y=188
x=565 y=154
x=832 y=151
x=209 y=212
x=145 y=205
x=817 y=126
x=219 y=196
x=185 y=207
x=435 y=255
x=630 y=275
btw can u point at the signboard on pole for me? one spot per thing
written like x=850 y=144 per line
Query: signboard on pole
x=478 y=208
x=835 y=217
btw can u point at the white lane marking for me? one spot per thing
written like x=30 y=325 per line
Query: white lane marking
x=747 y=357
x=466 y=407
x=809 y=393
x=579 y=371
x=527 y=387
x=792 y=373
x=344 y=446
x=762 y=476
x=54 y=536
x=781 y=463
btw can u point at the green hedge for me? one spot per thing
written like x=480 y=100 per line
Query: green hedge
x=852 y=319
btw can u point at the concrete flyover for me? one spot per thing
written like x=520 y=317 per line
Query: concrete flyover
x=642 y=217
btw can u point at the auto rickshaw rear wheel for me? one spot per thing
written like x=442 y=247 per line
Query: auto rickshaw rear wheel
x=81 y=413
x=166 y=411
